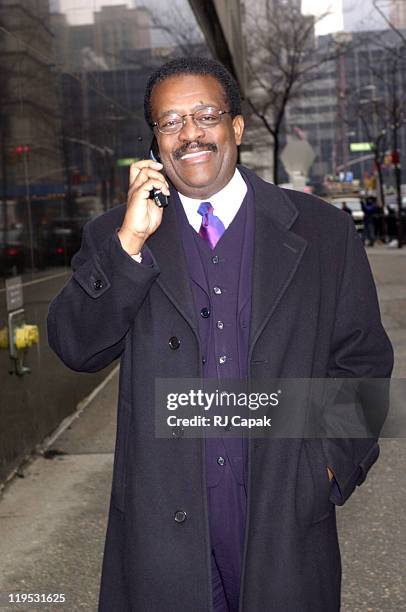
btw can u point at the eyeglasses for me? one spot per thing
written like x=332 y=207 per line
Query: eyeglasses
x=205 y=117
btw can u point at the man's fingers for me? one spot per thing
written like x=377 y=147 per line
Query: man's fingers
x=145 y=174
x=136 y=168
x=147 y=186
x=154 y=184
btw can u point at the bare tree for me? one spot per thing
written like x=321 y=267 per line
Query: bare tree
x=179 y=28
x=387 y=73
x=363 y=106
x=283 y=60
x=394 y=81
x=379 y=6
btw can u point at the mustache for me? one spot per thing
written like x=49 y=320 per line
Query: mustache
x=189 y=147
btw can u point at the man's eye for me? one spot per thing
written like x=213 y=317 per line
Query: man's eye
x=169 y=123
x=208 y=118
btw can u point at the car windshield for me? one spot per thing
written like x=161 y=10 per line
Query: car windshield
x=13 y=236
x=354 y=205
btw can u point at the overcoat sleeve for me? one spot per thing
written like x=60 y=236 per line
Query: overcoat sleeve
x=88 y=320
x=360 y=348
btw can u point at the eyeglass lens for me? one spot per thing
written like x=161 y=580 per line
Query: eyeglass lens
x=203 y=117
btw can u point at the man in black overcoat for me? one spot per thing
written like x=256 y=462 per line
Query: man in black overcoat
x=235 y=278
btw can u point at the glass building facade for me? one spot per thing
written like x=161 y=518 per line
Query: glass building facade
x=72 y=79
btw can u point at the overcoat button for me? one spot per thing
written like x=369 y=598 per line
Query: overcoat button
x=215 y=259
x=205 y=313
x=180 y=516
x=221 y=460
x=98 y=284
x=174 y=343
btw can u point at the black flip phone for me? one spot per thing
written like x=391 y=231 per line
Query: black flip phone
x=159 y=198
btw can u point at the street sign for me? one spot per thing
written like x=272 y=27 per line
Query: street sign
x=298 y=156
x=127 y=161
x=361 y=146
x=14 y=293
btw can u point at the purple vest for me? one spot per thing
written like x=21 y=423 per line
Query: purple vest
x=221 y=287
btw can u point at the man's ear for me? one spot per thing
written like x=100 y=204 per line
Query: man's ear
x=238 y=127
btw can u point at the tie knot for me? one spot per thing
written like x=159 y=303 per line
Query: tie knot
x=205 y=208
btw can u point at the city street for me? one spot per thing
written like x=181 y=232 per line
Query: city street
x=53 y=514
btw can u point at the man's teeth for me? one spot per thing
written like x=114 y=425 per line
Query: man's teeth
x=196 y=154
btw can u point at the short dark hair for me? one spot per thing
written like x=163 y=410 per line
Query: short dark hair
x=198 y=66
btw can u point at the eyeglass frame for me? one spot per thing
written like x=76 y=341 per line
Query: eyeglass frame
x=183 y=117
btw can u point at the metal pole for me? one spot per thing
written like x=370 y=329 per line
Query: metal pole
x=85 y=102
x=29 y=211
x=4 y=184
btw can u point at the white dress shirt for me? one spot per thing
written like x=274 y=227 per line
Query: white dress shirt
x=226 y=202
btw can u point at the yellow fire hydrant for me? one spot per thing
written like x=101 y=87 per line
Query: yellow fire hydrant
x=4 y=338
x=25 y=336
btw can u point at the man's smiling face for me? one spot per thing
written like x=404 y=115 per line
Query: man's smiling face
x=198 y=161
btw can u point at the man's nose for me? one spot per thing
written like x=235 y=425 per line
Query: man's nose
x=190 y=131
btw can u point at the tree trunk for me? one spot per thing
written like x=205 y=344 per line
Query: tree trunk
x=275 y=158
x=398 y=183
x=380 y=179
x=384 y=226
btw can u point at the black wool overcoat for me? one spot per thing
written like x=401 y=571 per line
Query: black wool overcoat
x=314 y=314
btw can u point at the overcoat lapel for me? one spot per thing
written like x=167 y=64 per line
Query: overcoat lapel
x=277 y=252
x=166 y=247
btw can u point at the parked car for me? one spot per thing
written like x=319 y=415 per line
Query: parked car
x=62 y=238
x=392 y=200
x=392 y=218
x=12 y=252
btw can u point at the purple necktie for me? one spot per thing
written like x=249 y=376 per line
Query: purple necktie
x=212 y=228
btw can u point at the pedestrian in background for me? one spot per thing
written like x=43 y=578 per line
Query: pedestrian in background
x=369 y=209
x=346 y=209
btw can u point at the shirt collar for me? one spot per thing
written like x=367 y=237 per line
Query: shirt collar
x=226 y=202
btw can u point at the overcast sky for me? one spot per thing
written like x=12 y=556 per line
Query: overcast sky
x=333 y=22
x=81 y=11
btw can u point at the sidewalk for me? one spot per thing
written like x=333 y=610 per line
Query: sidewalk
x=53 y=520
x=372 y=525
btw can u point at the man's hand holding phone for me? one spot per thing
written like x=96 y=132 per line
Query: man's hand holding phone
x=143 y=216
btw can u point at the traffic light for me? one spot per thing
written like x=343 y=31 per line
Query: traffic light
x=395 y=157
x=17 y=153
